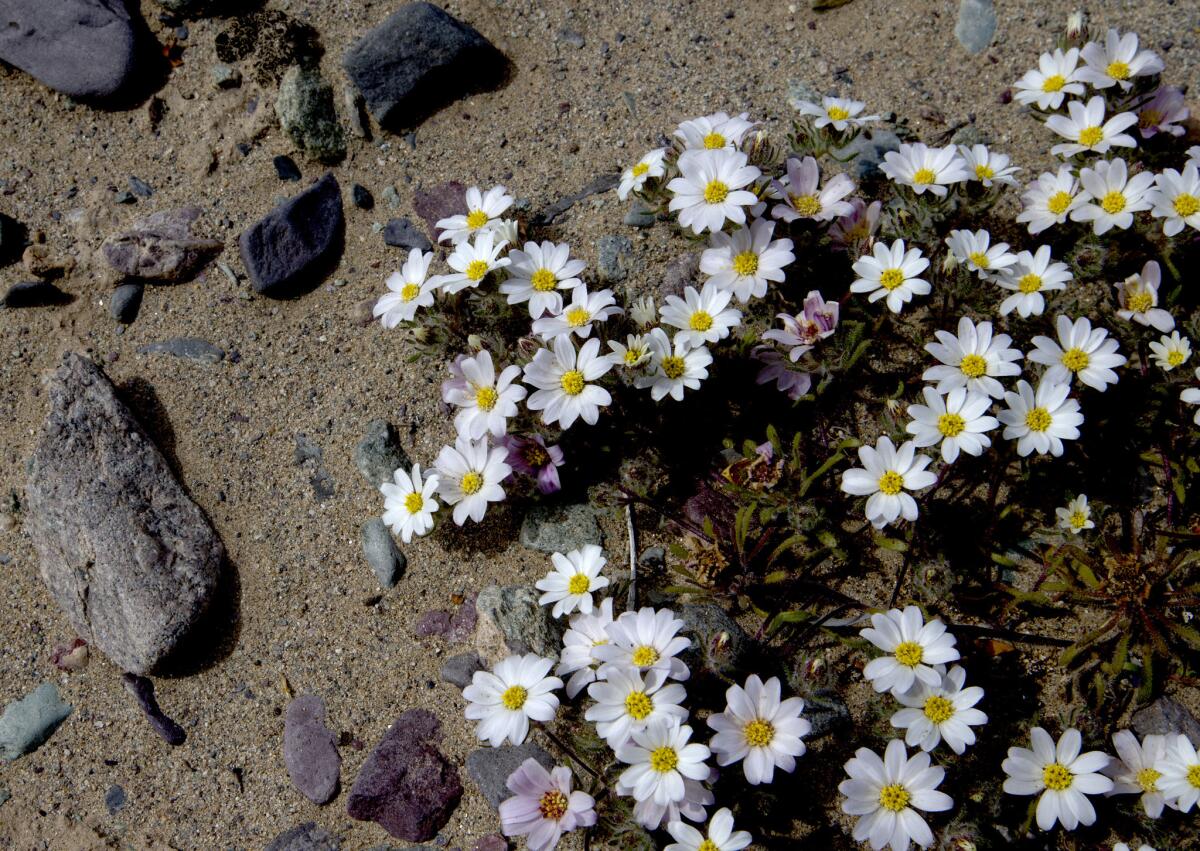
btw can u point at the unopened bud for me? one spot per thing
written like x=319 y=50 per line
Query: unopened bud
x=475 y=341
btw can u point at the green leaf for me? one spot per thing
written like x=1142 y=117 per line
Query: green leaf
x=893 y=544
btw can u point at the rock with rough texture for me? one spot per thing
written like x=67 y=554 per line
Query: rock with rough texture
x=379 y=454
x=305 y=837
x=82 y=48
x=402 y=233
x=28 y=722
x=525 y=625
x=381 y=552
x=868 y=150
x=161 y=247
x=560 y=528
x=125 y=302
x=458 y=670
x=124 y=551
x=310 y=749
x=417 y=61
x=406 y=785
x=35 y=294
x=491 y=842
x=613 y=253
x=976 y=24
x=490 y=768
x=440 y=202
x=826 y=711
x=639 y=215
x=114 y=799
x=12 y=238
x=292 y=248
x=188 y=348
x=1166 y=716
x=306 y=112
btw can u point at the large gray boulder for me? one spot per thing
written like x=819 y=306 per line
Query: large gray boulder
x=124 y=551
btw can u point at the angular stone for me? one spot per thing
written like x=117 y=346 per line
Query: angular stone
x=306 y=112
x=976 y=24
x=406 y=785
x=161 y=247
x=490 y=768
x=125 y=302
x=381 y=552
x=526 y=626
x=310 y=750
x=868 y=150
x=402 y=233
x=560 y=528
x=458 y=670
x=379 y=454
x=440 y=202
x=189 y=348
x=305 y=837
x=29 y=722
x=1166 y=715
x=35 y=294
x=417 y=61
x=294 y=246
x=613 y=252
x=124 y=551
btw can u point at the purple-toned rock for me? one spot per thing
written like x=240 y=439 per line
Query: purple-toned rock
x=406 y=785
x=310 y=750
x=142 y=690
x=491 y=842
x=432 y=623
x=440 y=202
x=161 y=247
x=291 y=248
x=305 y=837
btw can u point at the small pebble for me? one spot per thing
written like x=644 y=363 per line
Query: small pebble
x=140 y=187
x=286 y=168
x=391 y=196
x=125 y=197
x=114 y=799
x=125 y=302
x=363 y=199
x=35 y=294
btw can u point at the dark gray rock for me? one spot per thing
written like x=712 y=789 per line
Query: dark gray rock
x=142 y=690
x=867 y=150
x=124 y=551
x=458 y=670
x=560 y=528
x=976 y=24
x=440 y=202
x=27 y=723
x=161 y=247
x=306 y=112
x=719 y=644
x=140 y=188
x=125 y=302
x=381 y=552
x=362 y=197
x=392 y=197
x=682 y=272
x=571 y=38
x=490 y=768
x=82 y=48
x=286 y=168
x=653 y=557
x=639 y=216
x=189 y=348
x=379 y=454
x=525 y=625
x=304 y=837
x=801 y=90
x=310 y=749
x=35 y=294
x=597 y=185
x=114 y=799
x=12 y=238
x=613 y=253
x=417 y=61
x=402 y=233
x=296 y=244
x=1166 y=715
x=406 y=785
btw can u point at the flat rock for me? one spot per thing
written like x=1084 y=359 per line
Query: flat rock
x=114 y=799
x=28 y=722
x=490 y=768
x=525 y=625
x=560 y=528
x=306 y=112
x=419 y=59
x=613 y=253
x=305 y=837
x=124 y=551
x=161 y=247
x=379 y=454
x=458 y=670
x=35 y=294
x=310 y=749
x=189 y=348
x=1166 y=715
x=82 y=48
x=294 y=246
x=125 y=302
x=381 y=552
x=867 y=150
x=976 y=24
x=402 y=233
x=406 y=785
x=491 y=842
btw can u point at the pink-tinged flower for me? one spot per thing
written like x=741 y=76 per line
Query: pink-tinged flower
x=543 y=807
x=532 y=457
x=801 y=333
x=457 y=382
x=802 y=196
x=788 y=379
x=857 y=226
x=1163 y=113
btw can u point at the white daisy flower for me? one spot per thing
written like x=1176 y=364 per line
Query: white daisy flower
x=647 y=640
x=702 y=317
x=575 y=576
x=747 y=260
x=635 y=177
x=802 y=196
x=957 y=421
x=912 y=646
x=562 y=378
x=1177 y=199
x=1193 y=155
x=643 y=312
x=1170 y=352
x=507 y=698
x=1056 y=76
x=1180 y=767
x=584 y=634
x=885 y=476
x=988 y=167
x=1113 y=196
x=408 y=503
x=631 y=354
x=976 y=251
x=1137 y=299
x=887 y=793
x=973 y=359
x=675 y=366
x=1030 y=277
x=891 y=274
x=923 y=168
x=483 y=213
x=660 y=757
x=1137 y=771
x=710 y=189
x=946 y=711
x=759 y=730
x=578 y=316
x=472 y=262
x=1121 y=846
x=538 y=273
x=841 y=113
x=720 y=835
x=1061 y=775
x=1081 y=351
x=626 y=704
x=488 y=401
x=1050 y=199
x=1117 y=61
x=1085 y=129
x=1191 y=396
x=1077 y=516
x=714 y=132
x=1040 y=421
x=408 y=290
x=469 y=476
x=696 y=796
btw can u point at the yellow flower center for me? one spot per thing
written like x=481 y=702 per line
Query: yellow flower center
x=1175 y=357
x=414 y=502
x=745 y=263
x=638 y=705
x=973 y=366
x=664 y=759
x=409 y=291
x=951 y=425
x=578 y=317
x=714 y=140
x=891 y=483
x=984 y=171
x=890 y=279
x=837 y=113
x=1147 y=778
x=543 y=281
x=979 y=259
x=1075 y=359
x=1186 y=205
x=1054 y=83
x=894 y=797
x=572 y=382
x=514 y=697
x=909 y=653
x=471 y=483
x=1140 y=302
x=700 y=321
x=1193 y=775
x=476 y=269
x=806 y=205
x=923 y=176
x=1077 y=520
x=673 y=366
x=938 y=709
x=759 y=733
x=1117 y=70
x=1038 y=419
x=1057 y=777
x=644 y=656
x=579 y=584
x=1149 y=118
x=632 y=356
x=1090 y=136
x=486 y=398
x=640 y=169
x=536 y=456
x=553 y=805
x=708 y=845
x=1058 y=202
x=477 y=219
x=1113 y=202
x=715 y=192
x=1029 y=283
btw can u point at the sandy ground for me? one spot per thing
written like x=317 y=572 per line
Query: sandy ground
x=307 y=365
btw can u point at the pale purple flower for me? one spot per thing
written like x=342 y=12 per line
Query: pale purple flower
x=532 y=457
x=457 y=381
x=803 y=198
x=800 y=333
x=1162 y=113
x=777 y=368
x=857 y=226
x=543 y=807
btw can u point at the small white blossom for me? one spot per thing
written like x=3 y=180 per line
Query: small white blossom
x=711 y=189
x=538 y=273
x=886 y=476
x=925 y=169
x=1170 y=352
x=1137 y=299
x=747 y=260
x=759 y=730
x=702 y=317
x=676 y=366
x=1113 y=196
x=714 y=132
x=409 y=503
x=635 y=177
x=483 y=213
x=1056 y=76
x=1180 y=767
x=1077 y=516
x=1081 y=351
x=912 y=647
x=720 y=835
x=1029 y=278
x=957 y=421
x=891 y=273
x=886 y=794
x=562 y=378
x=408 y=290
x=942 y=712
x=1117 y=61
x=470 y=474
x=506 y=699
x=980 y=256
x=1050 y=199
x=1137 y=771
x=575 y=576
x=1061 y=775
x=1176 y=199
x=472 y=262
x=1085 y=129
x=1040 y=421
x=974 y=359
x=840 y=113
x=988 y=167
